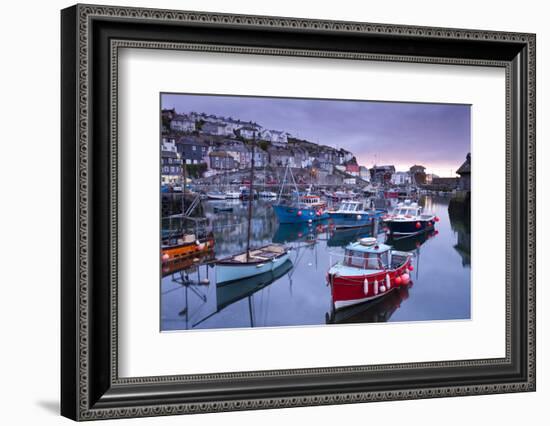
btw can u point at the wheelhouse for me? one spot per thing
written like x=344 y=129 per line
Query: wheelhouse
x=407 y=209
x=351 y=207
x=376 y=256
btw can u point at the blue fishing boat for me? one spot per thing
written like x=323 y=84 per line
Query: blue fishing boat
x=307 y=209
x=354 y=214
x=302 y=207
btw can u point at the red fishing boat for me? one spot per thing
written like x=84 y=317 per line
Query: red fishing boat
x=369 y=270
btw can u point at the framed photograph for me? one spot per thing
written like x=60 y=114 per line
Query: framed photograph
x=263 y=212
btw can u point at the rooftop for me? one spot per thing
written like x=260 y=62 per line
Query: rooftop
x=466 y=166
x=374 y=248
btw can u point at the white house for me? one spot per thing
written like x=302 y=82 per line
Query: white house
x=276 y=137
x=248 y=132
x=182 y=123
x=350 y=181
x=364 y=173
x=214 y=128
x=169 y=144
x=401 y=178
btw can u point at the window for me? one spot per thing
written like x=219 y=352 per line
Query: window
x=355 y=258
x=373 y=261
x=384 y=257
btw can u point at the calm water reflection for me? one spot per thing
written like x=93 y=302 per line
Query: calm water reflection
x=297 y=293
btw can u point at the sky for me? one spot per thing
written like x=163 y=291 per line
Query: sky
x=436 y=136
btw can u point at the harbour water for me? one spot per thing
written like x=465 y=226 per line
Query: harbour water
x=296 y=294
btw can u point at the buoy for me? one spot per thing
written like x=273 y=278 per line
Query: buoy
x=418 y=225
x=375 y=287
x=436 y=232
x=388 y=281
x=309 y=221
x=405 y=278
x=201 y=246
x=367 y=241
x=398 y=280
x=411 y=268
x=366 y=286
x=358 y=217
x=299 y=213
x=165 y=256
x=436 y=219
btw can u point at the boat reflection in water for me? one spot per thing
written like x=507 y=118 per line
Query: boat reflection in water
x=410 y=243
x=377 y=310
x=227 y=295
x=187 y=265
x=299 y=232
x=342 y=237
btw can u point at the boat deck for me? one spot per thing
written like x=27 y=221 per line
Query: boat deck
x=262 y=254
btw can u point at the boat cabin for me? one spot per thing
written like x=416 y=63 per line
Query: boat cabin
x=407 y=209
x=367 y=253
x=351 y=207
x=311 y=200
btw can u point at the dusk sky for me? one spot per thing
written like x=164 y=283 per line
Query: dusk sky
x=436 y=136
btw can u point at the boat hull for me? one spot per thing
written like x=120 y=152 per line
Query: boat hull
x=230 y=272
x=354 y=220
x=176 y=253
x=349 y=290
x=289 y=214
x=216 y=196
x=409 y=227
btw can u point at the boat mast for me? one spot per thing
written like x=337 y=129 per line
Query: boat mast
x=184 y=184
x=250 y=199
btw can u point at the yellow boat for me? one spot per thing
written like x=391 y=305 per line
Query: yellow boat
x=185 y=246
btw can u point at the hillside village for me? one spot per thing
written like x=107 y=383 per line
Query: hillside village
x=214 y=146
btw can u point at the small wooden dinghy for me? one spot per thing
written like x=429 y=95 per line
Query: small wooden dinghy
x=253 y=262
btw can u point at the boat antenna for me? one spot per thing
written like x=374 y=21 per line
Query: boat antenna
x=250 y=199
x=282 y=185
x=184 y=184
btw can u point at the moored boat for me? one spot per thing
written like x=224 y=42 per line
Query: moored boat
x=176 y=248
x=232 y=195
x=369 y=270
x=354 y=214
x=216 y=195
x=308 y=208
x=408 y=219
x=253 y=262
x=267 y=195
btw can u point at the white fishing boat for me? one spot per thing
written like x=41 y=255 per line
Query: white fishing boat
x=267 y=194
x=232 y=195
x=216 y=195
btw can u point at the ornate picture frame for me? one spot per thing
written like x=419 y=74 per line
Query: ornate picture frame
x=90 y=38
